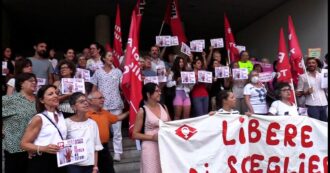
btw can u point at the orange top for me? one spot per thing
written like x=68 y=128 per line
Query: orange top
x=103 y=119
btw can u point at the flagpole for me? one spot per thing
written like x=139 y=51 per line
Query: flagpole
x=161 y=28
x=309 y=85
x=294 y=94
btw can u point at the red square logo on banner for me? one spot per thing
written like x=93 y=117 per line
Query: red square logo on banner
x=185 y=131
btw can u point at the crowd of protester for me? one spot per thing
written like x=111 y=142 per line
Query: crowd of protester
x=35 y=118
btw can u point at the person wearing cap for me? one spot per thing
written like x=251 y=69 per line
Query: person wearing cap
x=316 y=100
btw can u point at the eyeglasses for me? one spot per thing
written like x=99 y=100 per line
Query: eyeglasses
x=82 y=101
x=99 y=98
x=62 y=68
x=288 y=89
x=32 y=80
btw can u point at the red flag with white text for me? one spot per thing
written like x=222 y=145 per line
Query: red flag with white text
x=132 y=83
x=283 y=66
x=232 y=51
x=172 y=17
x=295 y=53
x=117 y=43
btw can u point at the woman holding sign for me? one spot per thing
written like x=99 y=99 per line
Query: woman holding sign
x=80 y=126
x=255 y=95
x=283 y=106
x=199 y=93
x=181 y=101
x=44 y=132
x=67 y=70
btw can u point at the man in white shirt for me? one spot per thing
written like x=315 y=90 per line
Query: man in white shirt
x=157 y=62
x=316 y=101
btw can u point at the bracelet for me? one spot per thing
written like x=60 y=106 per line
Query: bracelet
x=38 y=151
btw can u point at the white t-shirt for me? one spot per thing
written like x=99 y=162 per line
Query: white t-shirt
x=11 y=82
x=232 y=112
x=280 y=108
x=319 y=94
x=257 y=98
x=90 y=132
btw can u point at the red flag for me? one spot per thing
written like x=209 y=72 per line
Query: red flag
x=295 y=53
x=172 y=17
x=132 y=83
x=232 y=51
x=140 y=4
x=283 y=66
x=117 y=44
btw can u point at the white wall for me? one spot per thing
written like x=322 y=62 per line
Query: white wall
x=310 y=18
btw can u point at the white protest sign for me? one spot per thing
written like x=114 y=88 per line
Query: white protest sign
x=265 y=76
x=225 y=143
x=151 y=79
x=185 y=49
x=71 y=85
x=188 y=77
x=40 y=82
x=174 y=41
x=163 y=41
x=161 y=73
x=71 y=151
x=204 y=76
x=324 y=79
x=314 y=52
x=196 y=46
x=4 y=67
x=240 y=73
x=83 y=74
x=221 y=72
x=217 y=43
x=240 y=48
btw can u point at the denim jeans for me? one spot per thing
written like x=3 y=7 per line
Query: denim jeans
x=201 y=105
x=318 y=112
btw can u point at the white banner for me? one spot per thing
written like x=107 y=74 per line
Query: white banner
x=232 y=143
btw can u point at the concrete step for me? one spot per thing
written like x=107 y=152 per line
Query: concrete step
x=129 y=152
x=128 y=165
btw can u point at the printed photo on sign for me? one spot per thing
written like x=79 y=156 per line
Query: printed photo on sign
x=71 y=151
x=221 y=72
x=185 y=49
x=40 y=82
x=204 y=76
x=83 y=74
x=71 y=85
x=163 y=41
x=240 y=48
x=161 y=73
x=188 y=77
x=217 y=43
x=174 y=41
x=240 y=73
x=151 y=79
x=265 y=77
x=4 y=68
x=196 y=46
